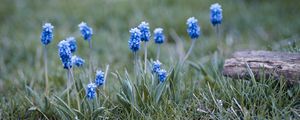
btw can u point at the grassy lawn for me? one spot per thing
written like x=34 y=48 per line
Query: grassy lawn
x=194 y=89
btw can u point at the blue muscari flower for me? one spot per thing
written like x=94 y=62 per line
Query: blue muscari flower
x=159 y=36
x=47 y=33
x=78 y=61
x=145 y=31
x=65 y=54
x=99 y=80
x=86 y=31
x=156 y=66
x=72 y=43
x=91 y=91
x=162 y=75
x=193 y=28
x=216 y=14
x=134 y=40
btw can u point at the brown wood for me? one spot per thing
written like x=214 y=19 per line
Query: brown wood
x=272 y=64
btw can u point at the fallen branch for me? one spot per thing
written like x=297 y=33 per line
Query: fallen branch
x=271 y=64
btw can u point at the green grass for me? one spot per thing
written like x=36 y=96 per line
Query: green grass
x=196 y=90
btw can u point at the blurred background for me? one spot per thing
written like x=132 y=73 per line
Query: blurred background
x=247 y=24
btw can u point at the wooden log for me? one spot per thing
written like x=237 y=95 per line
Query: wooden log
x=278 y=65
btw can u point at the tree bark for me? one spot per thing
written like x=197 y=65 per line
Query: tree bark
x=277 y=65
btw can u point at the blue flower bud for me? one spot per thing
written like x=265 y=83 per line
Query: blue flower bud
x=162 y=75
x=47 y=33
x=159 y=36
x=216 y=14
x=134 y=40
x=72 y=43
x=86 y=31
x=91 y=91
x=78 y=61
x=99 y=80
x=193 y=28
x=156 y=66
x=65 y=54
x=145 y=31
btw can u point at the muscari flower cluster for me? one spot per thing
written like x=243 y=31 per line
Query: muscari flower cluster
x=159 y=36
x=161 y=73
x=78 y=61
x=65 y=54
x=47 y=33
x=91 y=91
x=142 y=33
x=216 y=14
x=193 y=28
x=134 y=40
x=91 y=88
x=66 y=48
x=156 y=66
x=145 y=31
x=99 y=80
x=86 y=31
x=72 y=44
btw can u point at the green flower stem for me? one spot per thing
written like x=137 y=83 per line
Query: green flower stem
x=46 y=71
x=69 y=86
x=77 y=97
x=135 y=64
x=90 y=61
x=158 y=52
x=190 y=50
x=145 y=70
